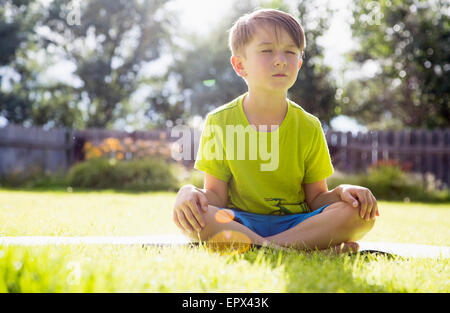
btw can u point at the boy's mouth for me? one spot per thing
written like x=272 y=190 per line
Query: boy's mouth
x=279 y=75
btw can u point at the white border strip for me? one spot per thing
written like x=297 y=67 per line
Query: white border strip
x=401 y=249
x=407 y=249
x=103 y=240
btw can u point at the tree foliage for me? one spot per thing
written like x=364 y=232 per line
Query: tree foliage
x=16 y=24
x=202 y=77
x=108 y=49
x=409 y=41
x=315 y=89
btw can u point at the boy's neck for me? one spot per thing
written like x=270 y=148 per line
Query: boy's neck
x=265 y=109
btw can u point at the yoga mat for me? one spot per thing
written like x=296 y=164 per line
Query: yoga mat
x=387 y=248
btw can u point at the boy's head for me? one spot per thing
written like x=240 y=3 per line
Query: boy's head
x=245 y=27
x=265 y=43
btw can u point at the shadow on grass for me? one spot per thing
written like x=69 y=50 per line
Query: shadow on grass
x=318 y=272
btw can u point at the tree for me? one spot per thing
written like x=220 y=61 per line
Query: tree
x=202 y=78
x=16 y=23
x=108 y=48
x=409 y=40
x=314 y=89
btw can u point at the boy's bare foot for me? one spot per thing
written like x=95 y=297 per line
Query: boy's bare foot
x=344 y=247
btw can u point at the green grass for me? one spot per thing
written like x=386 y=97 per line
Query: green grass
x=108 y=268
x=85 y=213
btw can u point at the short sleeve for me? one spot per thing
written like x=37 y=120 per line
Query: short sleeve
x=211 y=154
x=318 y=164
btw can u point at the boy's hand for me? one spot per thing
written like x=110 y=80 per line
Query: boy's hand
x=355 y=195
x=187 y=209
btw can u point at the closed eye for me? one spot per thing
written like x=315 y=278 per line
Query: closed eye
x=268 y=51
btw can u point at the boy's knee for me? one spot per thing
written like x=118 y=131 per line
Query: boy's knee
x=210 y=217
x=210 y=214
x=356 y=226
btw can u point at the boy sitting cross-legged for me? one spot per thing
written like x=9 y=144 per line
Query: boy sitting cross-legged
x=270 y=189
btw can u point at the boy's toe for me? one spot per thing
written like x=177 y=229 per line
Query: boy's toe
x=346 y=247
x=349 y=247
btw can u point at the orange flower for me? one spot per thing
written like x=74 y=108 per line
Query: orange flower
x=97 y=152
x=128 y=141
x=138 y=149
x=87 y=146
x=93 y=152
x=113 y=144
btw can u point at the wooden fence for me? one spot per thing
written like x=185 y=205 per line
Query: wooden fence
x=96 y=136
x=419 y=151
x=26 y=149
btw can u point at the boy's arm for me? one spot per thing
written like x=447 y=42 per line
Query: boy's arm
x=213 y=198
x=317 y=194
x=215 y=190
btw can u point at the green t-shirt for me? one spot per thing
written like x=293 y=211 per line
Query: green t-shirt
x=261 y=178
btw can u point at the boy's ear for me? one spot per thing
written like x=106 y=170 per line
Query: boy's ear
x=300 y=63
x=237 y=65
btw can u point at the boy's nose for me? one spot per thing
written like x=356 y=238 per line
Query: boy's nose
x=280 y=59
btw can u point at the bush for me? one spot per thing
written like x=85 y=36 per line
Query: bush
x=188 y=176
x=33 y=177
x=197 y=179
x=136 y=175
x=390 y=182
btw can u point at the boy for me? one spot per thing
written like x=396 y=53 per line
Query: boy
x=287 y=202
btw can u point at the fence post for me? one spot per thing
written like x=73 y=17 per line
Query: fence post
x=379 y=152
x=367 y=151
x=340 y=151
x=429 y=156
x=423 y=157
x=439 y=144
x=396 y=147
x=446 y=158
x=349 y=152
x=360 y=152
x=69 y=143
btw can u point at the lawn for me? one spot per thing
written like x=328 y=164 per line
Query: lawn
x=108 y=268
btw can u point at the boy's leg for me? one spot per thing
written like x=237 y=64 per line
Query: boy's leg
x=220 y=227
x=338 y=223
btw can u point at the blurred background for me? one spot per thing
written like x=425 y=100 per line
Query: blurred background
x=90 y=90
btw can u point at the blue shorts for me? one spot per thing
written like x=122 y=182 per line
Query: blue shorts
x=268 y=225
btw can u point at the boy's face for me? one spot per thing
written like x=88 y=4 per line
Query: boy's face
x=270 y=63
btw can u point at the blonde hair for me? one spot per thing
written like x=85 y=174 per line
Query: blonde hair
x=242 y=31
